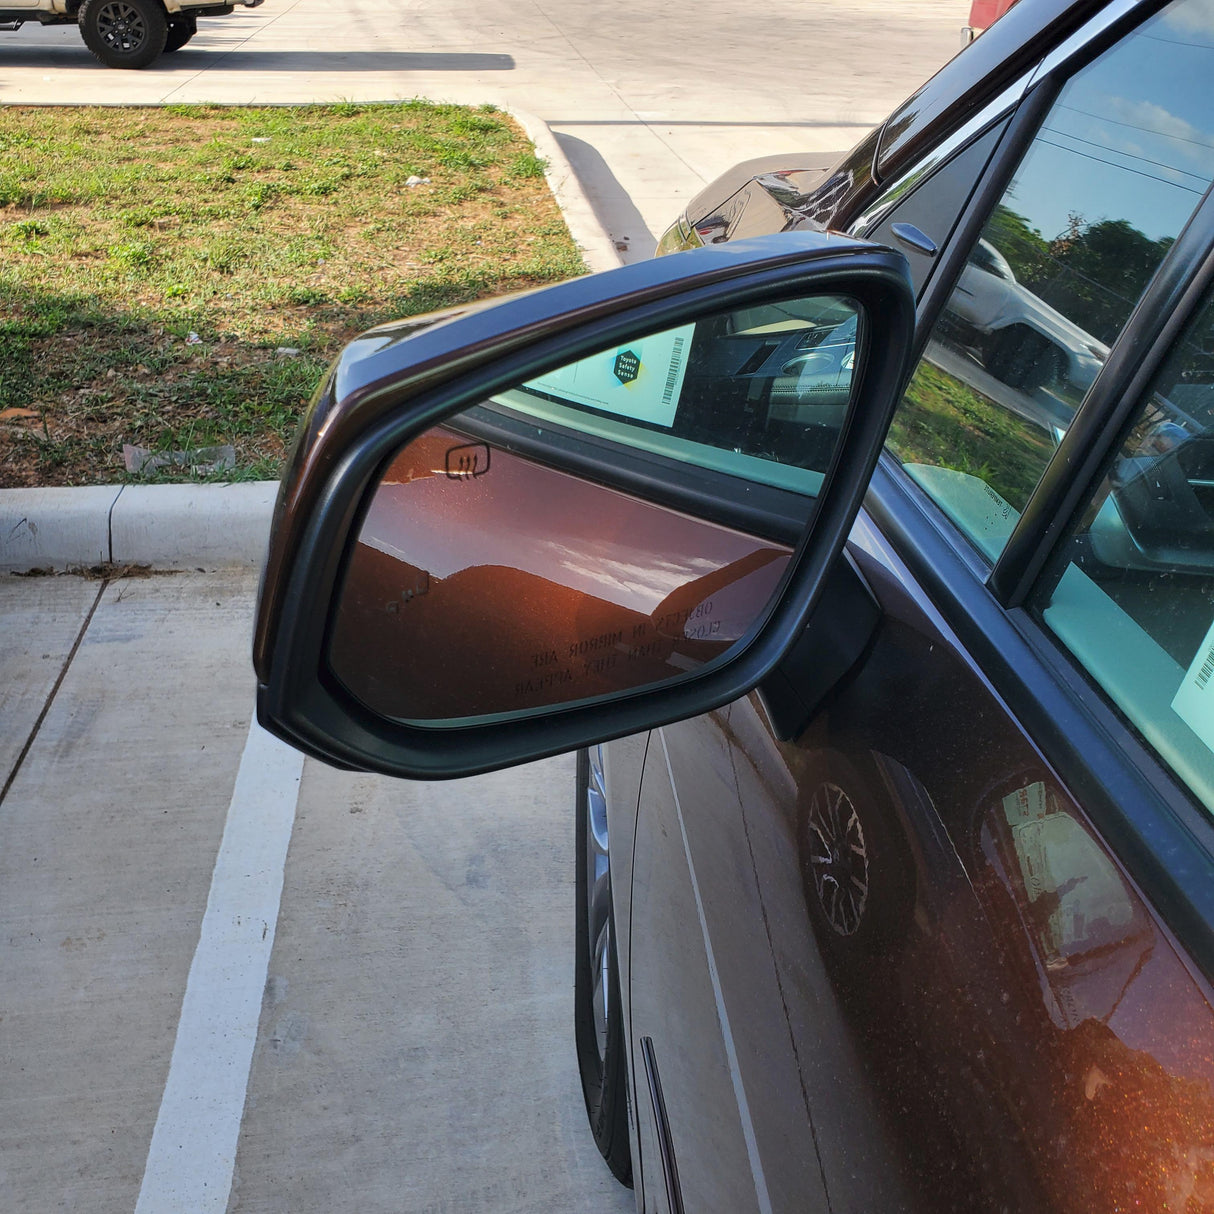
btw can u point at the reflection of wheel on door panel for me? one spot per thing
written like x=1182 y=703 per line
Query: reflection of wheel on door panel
x=181 y=30
x=598 y=1023
x=855 y=865
x=123 y=33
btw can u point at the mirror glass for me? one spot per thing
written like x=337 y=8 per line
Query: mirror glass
x=616 y=523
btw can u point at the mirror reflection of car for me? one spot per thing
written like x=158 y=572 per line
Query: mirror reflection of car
x=1024 y=342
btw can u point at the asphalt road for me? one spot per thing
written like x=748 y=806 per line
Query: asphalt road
x=234 y=980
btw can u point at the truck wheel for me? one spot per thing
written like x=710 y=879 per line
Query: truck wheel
x=855 y=862
x=124 y=33
x=181 y=30
x=1022 y=358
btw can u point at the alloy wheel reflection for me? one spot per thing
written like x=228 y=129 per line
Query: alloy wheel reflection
x=598 y=897
x=838 y=858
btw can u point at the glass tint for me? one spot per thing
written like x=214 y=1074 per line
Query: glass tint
x=1107 y=184
x=486 y=580
x=1133 y=596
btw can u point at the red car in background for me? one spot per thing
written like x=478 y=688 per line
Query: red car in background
x=984 y=13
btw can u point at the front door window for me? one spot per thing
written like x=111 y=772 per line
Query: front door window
x=1133 y=595
x=1104 y=189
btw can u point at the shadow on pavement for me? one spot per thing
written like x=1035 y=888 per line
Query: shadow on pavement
x=610 y=201
x=238 y=59
x=359 y=61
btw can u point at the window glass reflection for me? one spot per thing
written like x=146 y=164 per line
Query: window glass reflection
x=1133 y=597
x=759 y=392
x=1106 y=186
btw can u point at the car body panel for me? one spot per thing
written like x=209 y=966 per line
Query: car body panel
x=1012 y=1044
x=803 y=167
x=984 y=13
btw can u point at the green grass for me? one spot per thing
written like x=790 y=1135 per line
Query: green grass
x=944 y=422
x=124 y=231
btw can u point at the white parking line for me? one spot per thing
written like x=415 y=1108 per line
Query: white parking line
x=193 y=1151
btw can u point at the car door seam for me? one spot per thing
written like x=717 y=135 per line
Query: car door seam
x=714 y=977
x=771 y=945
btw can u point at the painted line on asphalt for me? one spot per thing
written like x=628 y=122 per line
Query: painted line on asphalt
x=193 y=1152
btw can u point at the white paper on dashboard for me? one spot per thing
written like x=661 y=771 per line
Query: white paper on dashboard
x=640 y=379
x=1194 y=702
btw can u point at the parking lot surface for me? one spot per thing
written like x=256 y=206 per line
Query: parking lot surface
x=412 y=1050
x=235 y=980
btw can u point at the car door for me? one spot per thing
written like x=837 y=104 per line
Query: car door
x=945 y=944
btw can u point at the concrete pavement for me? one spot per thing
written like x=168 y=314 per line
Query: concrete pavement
x=407 y=1045
x=413 y=1049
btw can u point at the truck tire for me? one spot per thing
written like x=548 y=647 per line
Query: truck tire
x=124 y=33
x=1022 y=358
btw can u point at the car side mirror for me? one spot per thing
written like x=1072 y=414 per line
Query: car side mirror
x=516 y=529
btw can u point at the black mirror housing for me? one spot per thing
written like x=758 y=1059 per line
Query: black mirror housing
x=395 y=383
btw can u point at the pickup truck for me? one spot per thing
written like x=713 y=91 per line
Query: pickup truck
x=121 y=33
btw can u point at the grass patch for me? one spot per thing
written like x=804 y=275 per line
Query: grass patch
x=152 y=262
x=945 y=422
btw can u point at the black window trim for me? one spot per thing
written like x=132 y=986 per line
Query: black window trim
x=1022 y=127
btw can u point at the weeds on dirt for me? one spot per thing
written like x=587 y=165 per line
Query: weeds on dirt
x=179 y=278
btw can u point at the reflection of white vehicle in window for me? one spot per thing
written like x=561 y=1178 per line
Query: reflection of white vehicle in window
x=121 y=33
x=1023 y=341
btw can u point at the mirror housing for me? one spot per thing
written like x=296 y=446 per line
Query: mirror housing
x=396 y=382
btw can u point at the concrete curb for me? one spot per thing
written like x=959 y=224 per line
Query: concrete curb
x=164 y=526
x=212 y=526
x=55 y=528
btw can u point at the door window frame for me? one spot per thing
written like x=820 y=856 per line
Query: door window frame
x=1160 y=834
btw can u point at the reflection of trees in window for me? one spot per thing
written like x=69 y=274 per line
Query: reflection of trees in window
x=1093 y=273
x=1023 y=246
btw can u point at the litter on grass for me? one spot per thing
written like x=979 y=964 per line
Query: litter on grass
x=199 y=461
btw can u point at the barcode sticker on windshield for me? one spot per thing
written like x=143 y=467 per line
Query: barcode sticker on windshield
x=1193 y=703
